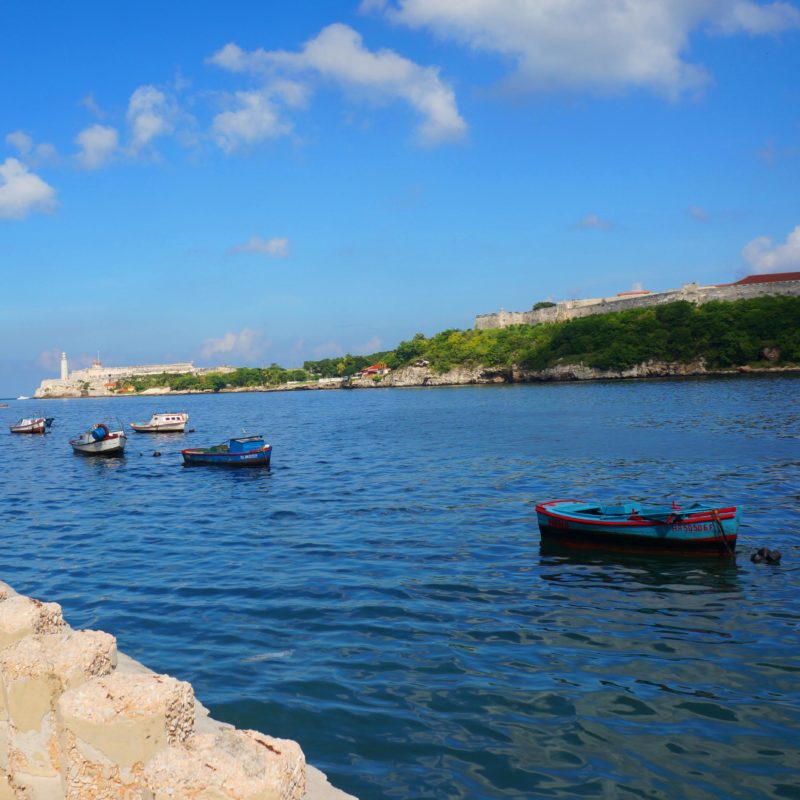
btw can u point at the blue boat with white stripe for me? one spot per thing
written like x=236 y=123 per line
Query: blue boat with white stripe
x=246 y=451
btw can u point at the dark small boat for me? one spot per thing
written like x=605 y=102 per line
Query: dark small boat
x=246 y=451
x=699 y=528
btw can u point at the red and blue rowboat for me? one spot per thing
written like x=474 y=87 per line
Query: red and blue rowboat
x=246 y=451
x=698 y=528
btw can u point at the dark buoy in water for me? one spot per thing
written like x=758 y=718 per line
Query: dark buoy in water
x=765 y=554
x=190 y=430
x=156 y=454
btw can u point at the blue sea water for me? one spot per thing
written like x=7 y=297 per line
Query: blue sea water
x=380 y=594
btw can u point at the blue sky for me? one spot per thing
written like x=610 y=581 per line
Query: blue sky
x=249 y=182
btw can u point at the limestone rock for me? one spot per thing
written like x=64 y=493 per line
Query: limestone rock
x=21 y=616
x=111 y=726
x=228 y=765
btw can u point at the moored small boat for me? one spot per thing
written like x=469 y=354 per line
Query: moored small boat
x=171 y=422
x=29 y=425
x=246 y=451
x=100 y=441
x=699 y=528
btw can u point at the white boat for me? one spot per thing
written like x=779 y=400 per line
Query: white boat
x=100 y=441
x=172 y=422
x=23 y=397
x=29 y=425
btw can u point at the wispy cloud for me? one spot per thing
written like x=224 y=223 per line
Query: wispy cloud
x=585 y=44
x=22 y=192
x=764 y=256
x=698 y=214
x=97 y=144
x=34 y=154
x=277 y=247
x=593 y=222
x=248 y=345
x=252 y=118
x=338 y=55
x=151 y=113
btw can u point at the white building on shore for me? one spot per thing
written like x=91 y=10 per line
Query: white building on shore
x=99 y=380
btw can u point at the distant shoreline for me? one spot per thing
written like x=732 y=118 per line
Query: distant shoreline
x=421 y=377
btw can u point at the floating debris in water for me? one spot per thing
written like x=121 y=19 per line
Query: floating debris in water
x=156 y=453
x=767 y=556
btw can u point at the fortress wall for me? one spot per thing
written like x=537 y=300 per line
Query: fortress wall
x=78 y=721
x=105 y=373
x=572 y=309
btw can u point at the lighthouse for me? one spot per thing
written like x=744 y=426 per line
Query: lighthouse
x=64 y=367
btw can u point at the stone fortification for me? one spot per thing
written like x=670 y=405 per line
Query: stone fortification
x=80 y=721
x=571 y=309
x=102 y=381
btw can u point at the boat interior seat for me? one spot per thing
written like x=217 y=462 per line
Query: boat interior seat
x=622 y=510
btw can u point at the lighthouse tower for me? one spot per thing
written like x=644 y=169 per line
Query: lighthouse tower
x=64 y=367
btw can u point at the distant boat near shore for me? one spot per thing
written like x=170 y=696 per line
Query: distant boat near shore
x=172 y=422
x=23 y=397
x=29 y=425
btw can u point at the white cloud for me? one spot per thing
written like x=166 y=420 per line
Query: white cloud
x=253 y=119
x=764 y=256
x=34 y=154
x=338 y=55
x=278 y=246
x=592 y=44
x=20 y=141
x=371 y=346
x=97 y=144
x=22 y=192
x=49 y=359
x=249 y=344
x=593 y=222
x=329 y=349
x=698 y=214
x=150 y=114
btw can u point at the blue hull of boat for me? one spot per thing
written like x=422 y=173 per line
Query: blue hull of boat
x=700 y=529
x=256 y=459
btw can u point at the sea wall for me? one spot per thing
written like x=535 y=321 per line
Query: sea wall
x=80 y=721
x=692 y=292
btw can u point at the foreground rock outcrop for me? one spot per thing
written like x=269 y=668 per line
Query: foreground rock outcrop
x=80 y=721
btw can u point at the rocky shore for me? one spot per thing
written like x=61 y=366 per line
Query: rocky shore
x=80 y=721
x=415 y=376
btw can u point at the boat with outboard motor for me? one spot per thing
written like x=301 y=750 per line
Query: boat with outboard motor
x=700 y=528
x=29 y=425
x=172 y=422
x=99 y=440
x=246 y=451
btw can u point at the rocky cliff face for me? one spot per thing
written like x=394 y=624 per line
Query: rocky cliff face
x=465 y=375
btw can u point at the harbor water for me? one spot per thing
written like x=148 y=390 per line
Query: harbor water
x=380 y=594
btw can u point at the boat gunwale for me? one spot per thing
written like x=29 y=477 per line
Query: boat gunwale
x=712 y=514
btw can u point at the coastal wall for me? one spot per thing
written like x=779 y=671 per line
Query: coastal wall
x=692 y=292
x=80 y=721
x=101 y=381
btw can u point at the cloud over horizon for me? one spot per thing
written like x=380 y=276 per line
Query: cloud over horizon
x=248 y=344
x=276 y=247
x=763 y=256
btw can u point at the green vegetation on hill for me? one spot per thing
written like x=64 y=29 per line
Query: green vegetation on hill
x=757 y=331
x=725 y=334
x=214 y=381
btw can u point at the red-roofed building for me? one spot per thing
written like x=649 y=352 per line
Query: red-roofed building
x=771 y=277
